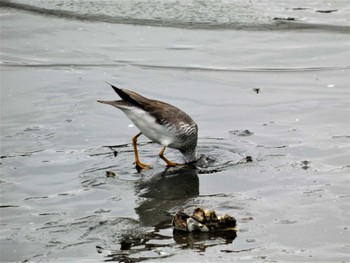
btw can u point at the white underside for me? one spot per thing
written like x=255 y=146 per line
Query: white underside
x=148 y=126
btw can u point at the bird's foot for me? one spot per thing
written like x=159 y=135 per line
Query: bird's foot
x=171 y=164
x=141 y=166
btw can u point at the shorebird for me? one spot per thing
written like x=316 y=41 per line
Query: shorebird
x=161 y=122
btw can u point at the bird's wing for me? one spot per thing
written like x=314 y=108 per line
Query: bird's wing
x=163 y=112
x=131 y=97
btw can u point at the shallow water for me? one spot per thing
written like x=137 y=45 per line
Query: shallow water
x=279 y=94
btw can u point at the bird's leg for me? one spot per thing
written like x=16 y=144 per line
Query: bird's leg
x=161 y=155
x=139 y=165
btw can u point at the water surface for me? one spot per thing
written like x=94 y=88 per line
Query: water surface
x=264 y=79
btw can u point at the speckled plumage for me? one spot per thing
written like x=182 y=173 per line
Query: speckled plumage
x=159 y=121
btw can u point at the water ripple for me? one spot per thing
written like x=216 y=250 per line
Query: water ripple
x=177 y=67
x=195 y=14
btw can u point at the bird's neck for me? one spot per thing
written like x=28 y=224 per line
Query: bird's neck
x=190 y=155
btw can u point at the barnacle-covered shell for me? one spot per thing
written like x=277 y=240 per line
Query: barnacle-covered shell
x=194 y=225
x=203 y=220
x=210 y=216
x=227 y=222
x=199 y=215
x=180 y=220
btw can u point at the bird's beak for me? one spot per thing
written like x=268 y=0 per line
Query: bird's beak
x=109 y=102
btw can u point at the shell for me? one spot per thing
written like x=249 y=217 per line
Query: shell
x=194 y=225
x=180 y=220
x=203 y=220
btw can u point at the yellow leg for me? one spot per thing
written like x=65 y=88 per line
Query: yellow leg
x=161 y=155
x=139 y=165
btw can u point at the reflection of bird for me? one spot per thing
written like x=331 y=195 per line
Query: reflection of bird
x=160 y=122
x=161 y=192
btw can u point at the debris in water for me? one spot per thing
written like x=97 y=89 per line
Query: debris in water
x=241 y=133
x=257 y=90
x=110 y=174
x=326 y=11
x=284 y=18
x=249 y=159
x=203 y=220
x=305 y=165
